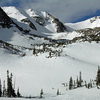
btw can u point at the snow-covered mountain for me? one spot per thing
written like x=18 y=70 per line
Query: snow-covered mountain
x=43 y=52
x=42 y=20
x=90 y=23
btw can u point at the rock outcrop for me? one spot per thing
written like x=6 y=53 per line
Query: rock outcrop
x=59 y=25
x=5 y=21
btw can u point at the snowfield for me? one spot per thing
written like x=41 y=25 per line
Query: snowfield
x=78 y=94
x=33 y=73
x=66 y=35
x=89 y=23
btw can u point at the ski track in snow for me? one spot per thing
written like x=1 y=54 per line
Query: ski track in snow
x=79 y=60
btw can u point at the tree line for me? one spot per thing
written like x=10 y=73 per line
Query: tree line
x=8 y=89
x=46 y=48
x=79 y=82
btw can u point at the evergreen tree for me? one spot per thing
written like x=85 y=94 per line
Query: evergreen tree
x=13 y=94
x=70 y=83
x=44 y=46
x=0 y=89
x=86 y=84
x=77 y=82
x=98 y=77
x=18 y=93
x=80 y=79
x=10 y=89
x=41 y=93
x=58 y=93
x=8 y=84
x=34 y=51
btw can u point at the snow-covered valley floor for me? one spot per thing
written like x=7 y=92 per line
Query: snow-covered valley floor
x=33 y=73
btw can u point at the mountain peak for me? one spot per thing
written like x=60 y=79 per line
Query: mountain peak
x=44 y=18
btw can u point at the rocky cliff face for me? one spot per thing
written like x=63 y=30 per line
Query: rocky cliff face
x=44 y=19
x=59 y=25
x=5 y=21
x=29 y=23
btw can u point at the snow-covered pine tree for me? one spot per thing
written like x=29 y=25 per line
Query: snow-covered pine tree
x=13 y=94
x=70 y=83
x=18 y=93
x=80 y=79
x=8 y=85
x=10 y=89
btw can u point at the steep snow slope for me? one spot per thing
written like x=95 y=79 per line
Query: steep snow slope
x=14 y=13
x=45 y=19
x=15 y=37
x=41 y=21
x=23 y=20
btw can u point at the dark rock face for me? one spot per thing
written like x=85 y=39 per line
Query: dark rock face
x=60 y=26
x=40 y=20
x=30 y=23
x=5 y=21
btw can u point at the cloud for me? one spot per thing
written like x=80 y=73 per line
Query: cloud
x=65 y=10
x=3 y=2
